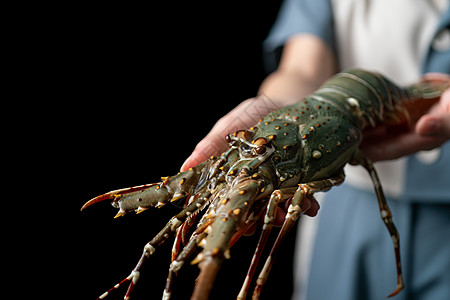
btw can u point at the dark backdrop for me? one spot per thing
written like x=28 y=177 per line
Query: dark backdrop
x=140 y=86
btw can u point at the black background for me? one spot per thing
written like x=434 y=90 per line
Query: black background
x=135 y=89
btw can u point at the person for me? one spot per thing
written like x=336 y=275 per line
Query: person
x=405 y=40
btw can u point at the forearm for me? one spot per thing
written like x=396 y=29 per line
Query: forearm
x=287 y=88
x=306 y=62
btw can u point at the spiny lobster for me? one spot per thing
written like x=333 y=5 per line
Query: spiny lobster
x=289 y=155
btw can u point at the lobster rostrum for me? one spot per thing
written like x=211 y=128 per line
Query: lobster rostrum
x=289 y=155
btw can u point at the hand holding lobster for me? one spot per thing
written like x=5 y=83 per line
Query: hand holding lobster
x=247 y=113
x=430 y=131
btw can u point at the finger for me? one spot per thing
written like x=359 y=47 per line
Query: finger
x=280 y=216
x=193 y=160
x=434 y=126
x=436 y=123
x=306 y=205
x=310 y=207
x=245 y=115
x=445 y=101
x=398 y=146
x=314 y=209
x=435 y=76
x=211 y=145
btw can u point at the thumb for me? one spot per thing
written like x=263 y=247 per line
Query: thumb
x=434 y=125
x=437 y=123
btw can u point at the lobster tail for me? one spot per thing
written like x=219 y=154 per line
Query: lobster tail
x=370 y=98
x=432 y=85
x=425 y=94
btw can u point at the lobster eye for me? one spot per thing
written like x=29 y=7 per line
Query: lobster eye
x=261 y=149
x=243 y=134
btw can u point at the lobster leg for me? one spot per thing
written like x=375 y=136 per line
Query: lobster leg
x=176 y=265
x=183 y=231
x=386 y=215
x=275 y=198
x=199 y=234
x=294 y=212
x=150 y=247
x=170 y=227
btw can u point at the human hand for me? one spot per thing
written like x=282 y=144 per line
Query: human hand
x=242 y=116
x=310 y=207
x=429 y=132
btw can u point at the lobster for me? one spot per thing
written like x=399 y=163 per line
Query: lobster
x=288 y=155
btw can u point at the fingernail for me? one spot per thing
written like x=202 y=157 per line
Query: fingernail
x=429 y=128
x=186 y=162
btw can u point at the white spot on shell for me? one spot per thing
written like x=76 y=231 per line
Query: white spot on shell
x=353 y=102
x=317 y=154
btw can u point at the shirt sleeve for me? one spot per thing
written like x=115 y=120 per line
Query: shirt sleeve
x=438 y=57
x=298 y=16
